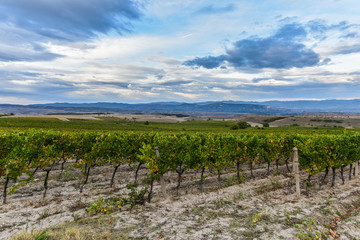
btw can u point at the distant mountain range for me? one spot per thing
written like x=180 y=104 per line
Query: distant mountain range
x=201 y=108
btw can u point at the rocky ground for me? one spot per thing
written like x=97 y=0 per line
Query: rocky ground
x=262 y=208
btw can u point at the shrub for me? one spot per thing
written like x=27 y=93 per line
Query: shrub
x=240 y=125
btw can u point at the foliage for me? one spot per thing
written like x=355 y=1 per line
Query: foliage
x=23 y=152
x=116 y=203
x=240 y=125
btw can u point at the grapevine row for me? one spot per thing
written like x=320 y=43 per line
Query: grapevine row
x=28 y=152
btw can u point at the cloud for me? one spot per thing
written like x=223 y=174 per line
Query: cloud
x=210 y=9
x=290 y=32
x=208 y=62
x=17 y=100
x=103 y=92
x=281 y=50
x=350 y=35
x=174 y=82
x=320 y=26
x=346 y=49
x=21 y=45
x=28 y=56
x=192 y=96
x=70 y=20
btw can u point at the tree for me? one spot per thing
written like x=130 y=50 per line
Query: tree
x=240 y=125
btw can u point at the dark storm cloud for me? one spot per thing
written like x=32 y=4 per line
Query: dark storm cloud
x=281 y=50
x=210 y=9
x=70 y=19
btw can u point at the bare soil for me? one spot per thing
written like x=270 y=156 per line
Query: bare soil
x=260 y=208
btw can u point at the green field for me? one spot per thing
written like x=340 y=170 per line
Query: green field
x=113 y=124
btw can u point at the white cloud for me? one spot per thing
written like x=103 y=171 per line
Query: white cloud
x=24 y=82
x=18 y=100
x=192 y=96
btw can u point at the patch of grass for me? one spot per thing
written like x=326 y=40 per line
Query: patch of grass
x=38 y=235
x=276 y=173
x=198 y=210
x=250 y=223
x=291 y=216
x=264 y=188
x=84 y=229
x=43 y=236
x=325 y=210
x=249 y=234
x=69 y=175
x=234 y=179
x=46 y=213
x=239 y=196
x=275 y=184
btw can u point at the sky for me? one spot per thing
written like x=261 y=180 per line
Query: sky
x=137 y=51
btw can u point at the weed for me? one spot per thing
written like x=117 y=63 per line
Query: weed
x=239 y=196
x=77 y=217
x=44 y=214
x=135 y=196
x=275 y=184
x=325 y=210
x=234 y=179
x=42 y=236
x=276 y=173
x=261 y=189
x=307 y=229
x=68 y=175
x=33 y=235
x=220 y=203
x=106 y=206
x=103 y=206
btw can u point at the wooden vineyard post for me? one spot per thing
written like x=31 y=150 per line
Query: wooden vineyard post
x=296 y=171
x=293 y=161
x=162 y=182
x=356 y=169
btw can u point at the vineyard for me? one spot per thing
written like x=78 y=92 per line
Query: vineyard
x=29 y=152
x=26 y=155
